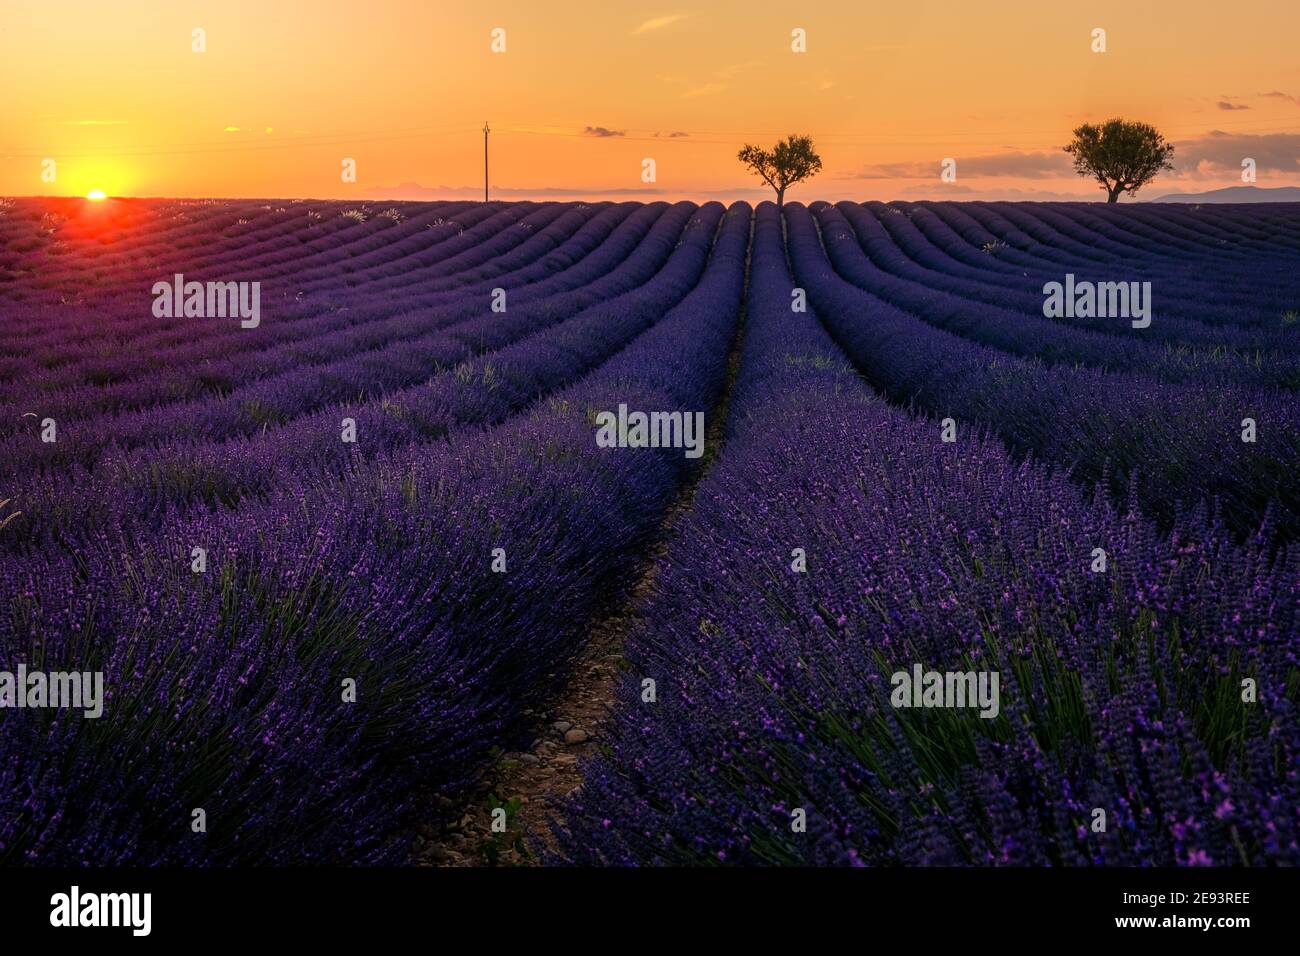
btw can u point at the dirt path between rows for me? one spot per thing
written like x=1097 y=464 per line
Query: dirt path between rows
x=533 y=783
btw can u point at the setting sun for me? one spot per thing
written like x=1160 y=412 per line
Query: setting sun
x=96 y=195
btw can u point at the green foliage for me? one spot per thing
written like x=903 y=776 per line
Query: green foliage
x=513 y=838
x=1120 y=155
x=790 y=161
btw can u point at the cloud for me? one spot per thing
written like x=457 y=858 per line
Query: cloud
x=231 y=129
x=93 y=122
x=601 y=132
x=1225 y=105
x=941 y=191
x=708 y=89
x=1217 y=153
x=411 y=190
x=675 y=134
x=1278 y=94
x=658 y=23
x=729 y=72
x=737 y=192
x=1018 y=164
x=1211 y=156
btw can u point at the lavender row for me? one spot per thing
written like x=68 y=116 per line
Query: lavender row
x=895 y=243
x=225 y=686
x=962 y=238
x=1049 y=339
x=275 y=238
x=621 y=262
x=1147 y=231
x=773 y=737
x=1200 y=297
x=53 y=321
x=447 y=242
x=165 y=374
x=179 y=476
x=1170 y=445
x=295 y=317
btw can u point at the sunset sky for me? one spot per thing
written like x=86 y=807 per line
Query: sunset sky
x=112 y=91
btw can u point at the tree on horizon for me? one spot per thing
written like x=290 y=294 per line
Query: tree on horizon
x=791 y=161
x=1121 y=156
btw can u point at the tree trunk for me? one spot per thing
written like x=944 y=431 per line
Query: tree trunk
x=1114 y=192
x=780 y=197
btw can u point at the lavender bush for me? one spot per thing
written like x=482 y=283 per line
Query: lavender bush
x=450 y=562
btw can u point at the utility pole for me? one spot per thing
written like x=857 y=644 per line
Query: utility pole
x=485 y=161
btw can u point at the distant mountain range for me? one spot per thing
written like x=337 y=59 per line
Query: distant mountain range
x=1236 y=194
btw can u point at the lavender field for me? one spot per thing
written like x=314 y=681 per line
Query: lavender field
x=340 y=547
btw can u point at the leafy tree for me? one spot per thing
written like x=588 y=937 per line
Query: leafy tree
x=791 y=161
x=1122 y=156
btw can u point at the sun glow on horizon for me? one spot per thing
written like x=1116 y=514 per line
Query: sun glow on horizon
x=880 y=89
x=96 y=195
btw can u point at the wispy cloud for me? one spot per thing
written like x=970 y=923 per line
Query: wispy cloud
x=1218 y=153
x=1278 y=94
x=1212 y=156
x=1226 y=105
x=1022 y=165
x=729 y=72
x=658 y=23
x=708 y=89
x=93 y=122
x=675 y=134
x=601 y=132
x=1087 y=191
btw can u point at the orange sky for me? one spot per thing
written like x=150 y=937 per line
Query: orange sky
x=112 y=91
